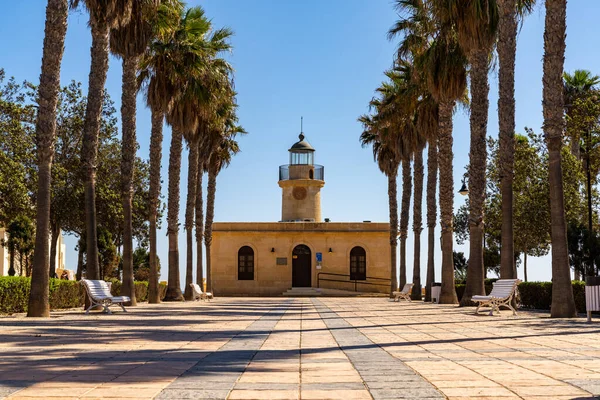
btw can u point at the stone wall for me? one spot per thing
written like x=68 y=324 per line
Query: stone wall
x=273 y=279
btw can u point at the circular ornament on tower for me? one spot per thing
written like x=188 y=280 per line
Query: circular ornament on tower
x=299 y=193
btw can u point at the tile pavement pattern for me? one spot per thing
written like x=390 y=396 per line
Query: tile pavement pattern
x=280 y=348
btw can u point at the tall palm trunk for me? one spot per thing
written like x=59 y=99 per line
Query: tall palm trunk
x=156 y=138
x=128 y=111
x=477 y=168
x=432 y=171
x=210 y=215
x=189 y=217
x=563 y=305
x=445 y=156
x=54 y=40
x=91 y=127
x=507 y=48
x=417 y=223
x=174 y=284
x=404 y=211
x=393 y=202
x=54 y=232
x=199 y=225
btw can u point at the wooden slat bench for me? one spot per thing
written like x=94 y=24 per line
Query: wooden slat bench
x=99 y=294
x=502 y=294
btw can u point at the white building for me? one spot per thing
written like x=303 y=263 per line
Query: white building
x=5 y=255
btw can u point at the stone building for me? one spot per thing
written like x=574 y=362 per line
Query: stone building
x=302 y=250
x=5 y=255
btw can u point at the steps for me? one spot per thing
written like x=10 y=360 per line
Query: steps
x=302 y=292
x=313 y=292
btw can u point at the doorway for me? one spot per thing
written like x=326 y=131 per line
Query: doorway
x=301 y=266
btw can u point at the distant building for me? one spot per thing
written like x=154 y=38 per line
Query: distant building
x=268 y=258
x=5 y=255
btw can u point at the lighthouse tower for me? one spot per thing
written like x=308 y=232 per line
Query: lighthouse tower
x=301 y=182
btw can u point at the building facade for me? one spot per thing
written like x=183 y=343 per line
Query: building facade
x=5 y=255
x=302 y=250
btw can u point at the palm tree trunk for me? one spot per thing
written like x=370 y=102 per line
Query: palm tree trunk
x=128 y=149
x=91 y=126
x=210 y=214
x=507 y=48
x=189 y=217
x=477 y=179
x=404 y=214
x=563 y=304
x=54 y=232
x=417 y=224
x=432 y=171
x=393 y=202
x=156 y=139
x=199 y=225
x=174 y=284
x=445 y=156
x=79 y=261
x=54 y=39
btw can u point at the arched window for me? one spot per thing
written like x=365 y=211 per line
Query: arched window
x=358 y=264
x=311 y=174
x=246 y=264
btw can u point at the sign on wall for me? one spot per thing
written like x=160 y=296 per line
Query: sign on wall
x=281 y=260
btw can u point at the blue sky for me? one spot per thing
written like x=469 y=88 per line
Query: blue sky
x=317 y=59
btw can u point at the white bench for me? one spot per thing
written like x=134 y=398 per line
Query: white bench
x=502 y=294
x=99 y=294
x=198 y=294
x=404 y=293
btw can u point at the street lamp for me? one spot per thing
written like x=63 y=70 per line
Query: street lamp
x=464 y=190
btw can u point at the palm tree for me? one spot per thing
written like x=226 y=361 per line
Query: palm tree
x=440 y=65
x=190 y=208
x=177 y=74
x=104 y=14
x=432 y=171
x=199 y=225
x=388 y=163
x=417 y=223
x=445 y=66
x=157 y=69
x=194 y=104
x=54 y=39
x=129 y=42
x=224 y=147
x=508 y=13
x=475 y=24
x=404 y=215
x=563 y=304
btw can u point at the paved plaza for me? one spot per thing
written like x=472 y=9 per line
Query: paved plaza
x=298 y=348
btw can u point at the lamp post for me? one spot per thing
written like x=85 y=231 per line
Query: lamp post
x=464 y=190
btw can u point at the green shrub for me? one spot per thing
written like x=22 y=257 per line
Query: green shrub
x=536 y=295
x=65 y=294
x=14 y=293
x=460 y=288
x=579 y=295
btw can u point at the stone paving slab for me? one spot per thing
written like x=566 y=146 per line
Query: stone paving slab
x=286 y=348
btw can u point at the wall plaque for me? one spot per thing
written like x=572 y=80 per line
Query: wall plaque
x=281 y=260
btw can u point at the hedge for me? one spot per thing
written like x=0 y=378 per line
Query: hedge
x=537 y=295
x=14 y=293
